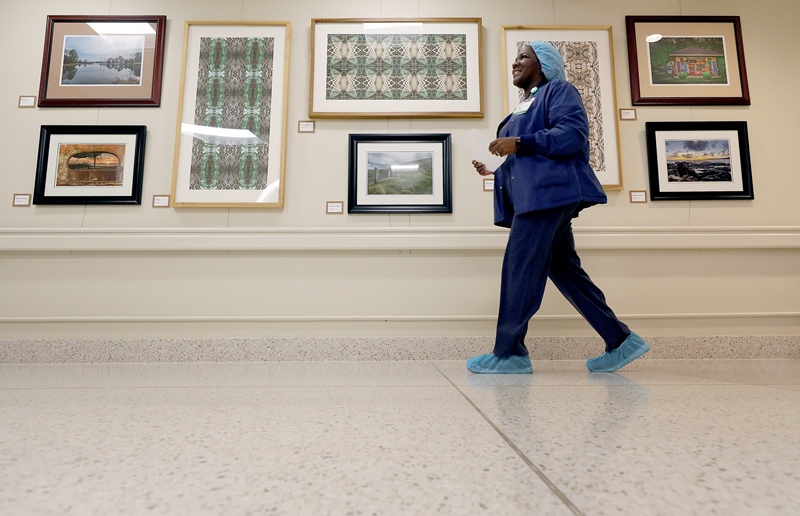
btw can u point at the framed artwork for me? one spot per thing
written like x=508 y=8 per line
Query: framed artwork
x=698 y=160
x=230 y=146
x=400 y=173
x=588 y=55
x=102 y=61
x=396 y=68
x=686 y=60
x=90 y=164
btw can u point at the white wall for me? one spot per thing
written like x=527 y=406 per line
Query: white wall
x=667 y=268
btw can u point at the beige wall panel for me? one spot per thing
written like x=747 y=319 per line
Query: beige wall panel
x=383 y=292
x=347 y=293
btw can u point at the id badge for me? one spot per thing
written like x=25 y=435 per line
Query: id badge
x=523 y=106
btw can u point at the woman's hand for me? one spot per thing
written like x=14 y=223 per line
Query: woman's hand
x=503 y=146
x=481 y=168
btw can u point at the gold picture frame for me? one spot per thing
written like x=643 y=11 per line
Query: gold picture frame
x=230 y=143
x=396 y=68
x=588 y=52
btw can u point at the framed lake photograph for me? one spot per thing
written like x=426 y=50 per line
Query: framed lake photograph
x=102 y=61
x=90 y=164
x=230 y=143
x=400 y=173
x=589 y=65
x=686 y=60
x=396 y=68
x=698 y=160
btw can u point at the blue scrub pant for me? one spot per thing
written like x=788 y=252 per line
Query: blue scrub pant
x=541 y=245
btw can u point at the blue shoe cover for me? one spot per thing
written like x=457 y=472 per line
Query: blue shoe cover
x=490 y=364
x=633 y=347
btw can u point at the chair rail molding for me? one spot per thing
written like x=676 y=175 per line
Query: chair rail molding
x=371 y=239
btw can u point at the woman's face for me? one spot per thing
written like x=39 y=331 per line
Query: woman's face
x=526 y=71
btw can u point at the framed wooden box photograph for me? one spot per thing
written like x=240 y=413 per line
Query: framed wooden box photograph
x=686 y=60
x=400 y=173
x=396 y=68
x=102 y=61
x=698 y=160
x=589 y=65
x=230 y=146
x=90 y=164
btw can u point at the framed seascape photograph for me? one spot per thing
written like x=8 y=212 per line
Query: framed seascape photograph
x=230 y=146
x=686 y=60
x=698 y=160
x=102 y=61
x=400 y=173
x=90 y=164
x=396 y=68
x=589 y=64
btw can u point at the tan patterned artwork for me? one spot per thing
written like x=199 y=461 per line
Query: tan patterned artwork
x=582 y=69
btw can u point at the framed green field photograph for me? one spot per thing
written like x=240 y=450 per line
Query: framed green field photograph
x=400 y=173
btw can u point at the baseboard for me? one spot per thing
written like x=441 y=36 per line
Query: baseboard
x=376 y=348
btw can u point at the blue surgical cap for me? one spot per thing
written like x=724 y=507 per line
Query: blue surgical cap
x=551 y=60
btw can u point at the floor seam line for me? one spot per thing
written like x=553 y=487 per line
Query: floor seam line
x=549 y=483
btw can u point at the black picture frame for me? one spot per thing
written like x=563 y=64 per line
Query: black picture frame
x=698 y=160
x=68 y=172
x=694 y=44
x=382 y=177
x=144 y=37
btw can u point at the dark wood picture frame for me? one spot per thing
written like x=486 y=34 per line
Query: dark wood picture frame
x=382 y=177
x=67 y=171
x=712 y=75
x=114 y=90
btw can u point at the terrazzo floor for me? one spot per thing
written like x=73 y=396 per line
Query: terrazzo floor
x=406 y=438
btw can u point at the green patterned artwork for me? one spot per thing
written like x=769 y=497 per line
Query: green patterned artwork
x=234 y=91
x=396 y=67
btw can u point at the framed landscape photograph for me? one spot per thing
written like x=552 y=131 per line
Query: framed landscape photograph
x=396 y=68
x=230 y=143
x=102 y=61
x=589 y=64
x=90 y=164
x=698 y=160
x=400 y=173
x=686 y=60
